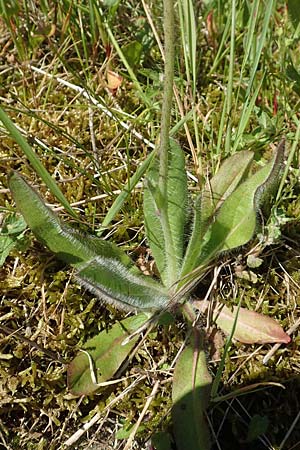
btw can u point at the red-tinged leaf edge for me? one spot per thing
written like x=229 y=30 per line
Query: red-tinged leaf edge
x=251 y=327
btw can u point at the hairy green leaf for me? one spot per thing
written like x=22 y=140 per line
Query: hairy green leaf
x=111 y=281
x=105 y=354
x=236 y=221
x=207 y=204
x=191 y=391
x=68 y=244
x=176 y=206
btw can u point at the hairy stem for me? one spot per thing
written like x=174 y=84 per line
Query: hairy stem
x=167 y=93
x=165 y=132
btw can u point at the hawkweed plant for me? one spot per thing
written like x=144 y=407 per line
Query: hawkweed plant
x=225 y=217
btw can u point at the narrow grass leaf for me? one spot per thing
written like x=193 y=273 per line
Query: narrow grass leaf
x=261 y=42
x=250 y=36
x=247 y=110
x=228 y=98
x=189 y=39
x=291 y=157
x=114 y=283
x=250 y=389
x=131 y=74
x=190 y=396
x=122 y=197
x=249 y=101
x=107 y=354
x=35 y=162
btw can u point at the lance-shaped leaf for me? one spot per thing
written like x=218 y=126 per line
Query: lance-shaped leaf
x=176 y=207
x=102 y=356
x=190 y=396
x=231 y=173
x=68 y=244
x=250 y=328
x=236 y=222
x=114 y=283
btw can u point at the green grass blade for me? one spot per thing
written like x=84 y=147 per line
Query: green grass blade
x=93 y=22
x=122 y=197
x=189 y=45
x=228 y=98
x=249 y=40
x=121 y=55
x=247 y=110
x=222 y=48
x=35 y=162
x=189 y=39
x=248 y=46
x=250 y=34
x=291 y=155
x=267 y=15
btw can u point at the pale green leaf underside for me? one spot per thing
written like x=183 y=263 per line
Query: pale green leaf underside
x=111 y=281
x=190 y=396
x=176 y=205
x=107 y=353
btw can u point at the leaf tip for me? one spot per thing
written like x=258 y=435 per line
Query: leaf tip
x=286 y=339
